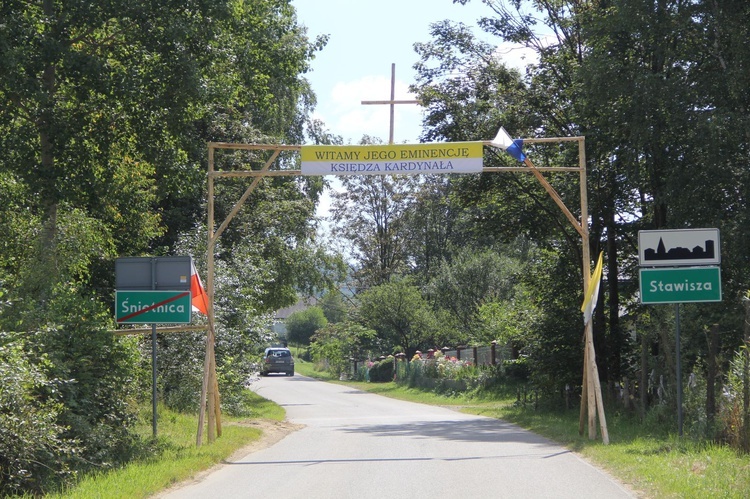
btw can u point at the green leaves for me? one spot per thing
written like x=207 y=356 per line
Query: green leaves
x=399 y=313
x=301 y=326
x=472 y=280
x=33 y=444
x=341 y=342
x=375 y=230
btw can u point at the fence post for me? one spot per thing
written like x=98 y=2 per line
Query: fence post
x=458 y=353
x=493 y=352
x=476 y=360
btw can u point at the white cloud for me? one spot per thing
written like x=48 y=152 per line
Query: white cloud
x=352 y=119
x=516 y=56
x=519 y=56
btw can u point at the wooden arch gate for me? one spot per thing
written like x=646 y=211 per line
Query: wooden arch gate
x=591 y=399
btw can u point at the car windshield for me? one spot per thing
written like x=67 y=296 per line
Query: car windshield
x=280 y=353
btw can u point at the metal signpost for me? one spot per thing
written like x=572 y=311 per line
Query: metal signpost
x=679 y=266
x=150 y=291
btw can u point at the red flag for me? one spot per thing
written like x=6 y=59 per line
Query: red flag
x=200 y=298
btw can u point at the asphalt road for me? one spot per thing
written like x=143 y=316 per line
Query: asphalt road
x=359 y=445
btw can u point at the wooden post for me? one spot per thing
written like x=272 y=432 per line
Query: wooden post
x=210 y=400
x=585 y=251
x=584 y=391
x=590 y=380
x=217 y=401
x=204 y=394
x=596 y=398
x=391 y=102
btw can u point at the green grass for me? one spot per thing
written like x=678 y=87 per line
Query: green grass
x=652 y=462
x=308 y=369
x=177 y=458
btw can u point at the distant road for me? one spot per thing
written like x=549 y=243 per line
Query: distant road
x=359 y=445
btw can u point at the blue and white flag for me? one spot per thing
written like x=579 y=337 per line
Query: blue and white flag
x=513 y=147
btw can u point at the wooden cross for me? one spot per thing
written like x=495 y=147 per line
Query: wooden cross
x=392 y=102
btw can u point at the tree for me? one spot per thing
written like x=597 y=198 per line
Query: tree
x=430 y=226
x=474 y=278
x=469 y=93
x=338 y=343
x=301 y=326
x=473 y=93
x=657 y=74
x=376 y=228
x=399 y=314
x=334 y=307
x=33 y=446
x=512 y=321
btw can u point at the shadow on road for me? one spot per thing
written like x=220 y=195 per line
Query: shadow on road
x=476 y=430
x=397 y=459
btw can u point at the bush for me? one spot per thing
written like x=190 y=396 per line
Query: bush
x=301 y=326
x=32 y=444
x=733 y=426
x=383 y=371
x=336 y=344
x=517 y=369
x=696 y=423
x=447 y=374
x=100 y=371
x=233 y=377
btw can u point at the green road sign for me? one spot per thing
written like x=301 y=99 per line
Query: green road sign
x=680 y=284
x=152 y=307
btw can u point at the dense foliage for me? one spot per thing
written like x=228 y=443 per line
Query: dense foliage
x=105 y=112
x=300 y=326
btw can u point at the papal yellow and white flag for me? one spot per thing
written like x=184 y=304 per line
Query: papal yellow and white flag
x=592 y=294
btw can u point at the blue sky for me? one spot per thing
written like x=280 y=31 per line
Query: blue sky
x=366 y=37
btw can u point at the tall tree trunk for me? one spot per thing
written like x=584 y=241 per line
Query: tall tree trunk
x=45 y=124
x=615 y=334
x=712 y=374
